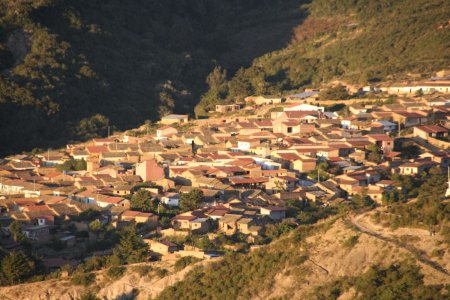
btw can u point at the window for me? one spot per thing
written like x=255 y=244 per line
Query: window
x=289 y=129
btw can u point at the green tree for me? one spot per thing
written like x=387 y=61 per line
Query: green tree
x=142 y=200
x=320 y=171
x=217 y=93
x=94 y=126
x=374 y=153
x=419 y=93
x=362 y=200
x=16 y=267
x=131 y=248
x=192 y=200
x=72 y=165
x=15 y=228
x=338 y=92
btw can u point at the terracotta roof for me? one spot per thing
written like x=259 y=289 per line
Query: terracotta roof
x=432 y=128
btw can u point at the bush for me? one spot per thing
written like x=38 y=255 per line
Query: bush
x=142 y=270
x=351 y=242
x=160 y=272
x=184 y=262
x=84 y=279
x=115 y=272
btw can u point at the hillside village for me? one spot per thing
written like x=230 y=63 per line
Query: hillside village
x=238 y=176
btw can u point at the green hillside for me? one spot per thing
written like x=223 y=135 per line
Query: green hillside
x=354 y=40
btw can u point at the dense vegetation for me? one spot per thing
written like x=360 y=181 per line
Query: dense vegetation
x=357 y=41
x=70 y=69
x=242 y=275
x=428 y=210
x=397 y=281
x=246 y=275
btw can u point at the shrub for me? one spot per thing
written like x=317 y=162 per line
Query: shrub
x=160 y=272
x=84 y=279
x=184 y=262
x=142 y=270
x=115 y=272
x=351 y=242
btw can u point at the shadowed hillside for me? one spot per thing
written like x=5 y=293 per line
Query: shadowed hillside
x=71 y=68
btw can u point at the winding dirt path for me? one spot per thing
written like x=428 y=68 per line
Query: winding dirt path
x=419 y=254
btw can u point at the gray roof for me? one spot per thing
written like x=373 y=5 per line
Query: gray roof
x=303 y=95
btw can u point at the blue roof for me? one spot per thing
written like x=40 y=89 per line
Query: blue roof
x=303 y=95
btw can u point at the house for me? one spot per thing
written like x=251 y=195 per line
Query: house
x=415 y=168
x=303 y=107
x=306 y=95
x=228 y=223
x=409 y=119
x=387 y=126
x=38 y=233
x=161 y=247
x=383 y=141
x=357 y=109
x=107 y=201
x=426 y=131
x=149 y=170
x=140 y=218
x=274 y=212
x=304 y=164
x=196 y=222
x=292 y=127
x=247 y=144
x=165 y=132
x=224 y=108
x=427 y=87
x=263 y=100
x=171 y=199
x=174 y=119
x=280 y=183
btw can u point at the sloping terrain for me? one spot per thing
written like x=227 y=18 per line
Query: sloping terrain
x=292 y=267
x=63 y=63
x=356 y=41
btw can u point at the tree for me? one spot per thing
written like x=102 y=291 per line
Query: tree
x=131 y=248
x=16 y=231
x=320 y=172
x=190 y=201
x=218 y=91
x=72 y=165
x=362 y=200
x=96 y=125
x=17 y=267
x=374 y=153
x=142 y=200
x=338 y=92
x=419 y=93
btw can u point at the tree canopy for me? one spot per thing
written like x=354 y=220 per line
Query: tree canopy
x=191 y=200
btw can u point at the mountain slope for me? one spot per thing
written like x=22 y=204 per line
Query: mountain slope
x=321 y=262
x=325 y=261
x=63 y=62
x=357 y=41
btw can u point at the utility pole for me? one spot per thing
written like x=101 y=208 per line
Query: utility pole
x=109 y=129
